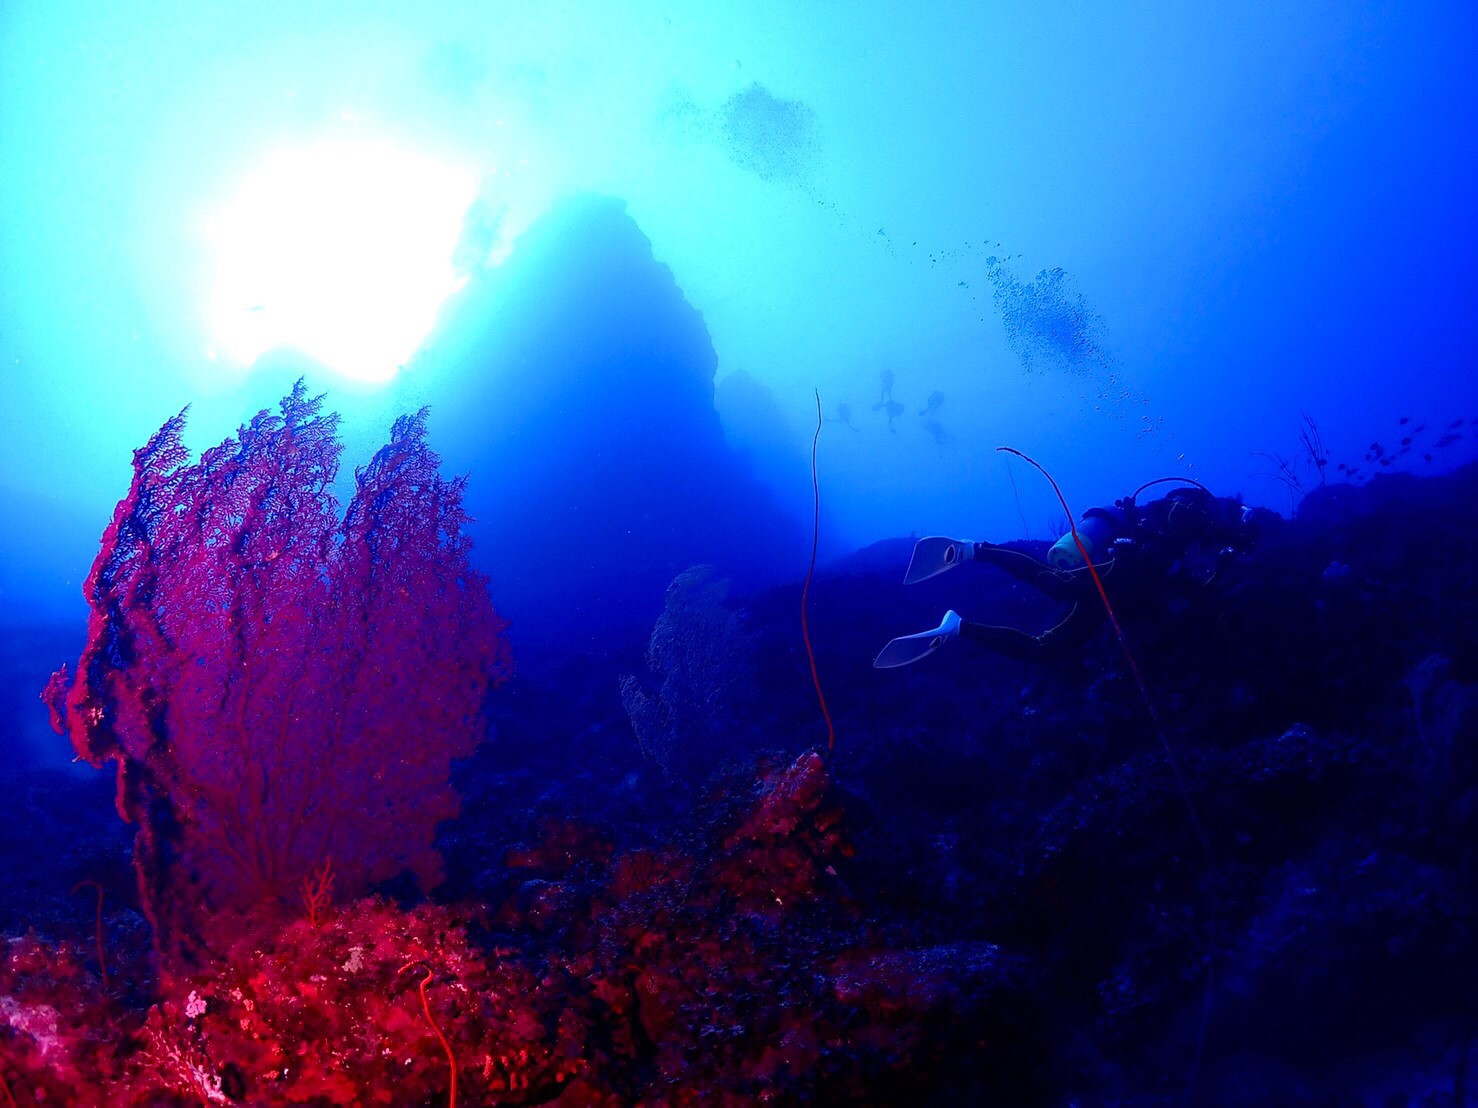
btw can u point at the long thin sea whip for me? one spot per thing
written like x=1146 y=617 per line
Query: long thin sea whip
x=831 y=733
x=426 y=1006
x=1144 y=694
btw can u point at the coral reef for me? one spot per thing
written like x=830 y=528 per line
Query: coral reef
x=660 y=977
x=334 y=1014
x=57 y=1027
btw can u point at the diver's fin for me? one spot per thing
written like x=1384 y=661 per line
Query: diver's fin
x=910 y=648
x=934 y=555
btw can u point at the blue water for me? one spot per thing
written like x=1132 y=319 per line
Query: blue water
x=710 y=306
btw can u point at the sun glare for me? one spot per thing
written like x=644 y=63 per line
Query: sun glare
x=342 y=251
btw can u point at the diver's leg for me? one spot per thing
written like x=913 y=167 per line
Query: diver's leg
x=1018 y=644
x=1003 y=640
x=1069 y=631
x=1023 y=567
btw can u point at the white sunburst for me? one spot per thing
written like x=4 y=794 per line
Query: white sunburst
x=342 y=250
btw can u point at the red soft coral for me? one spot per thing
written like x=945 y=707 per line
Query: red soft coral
x=773 y=858
x=334 y=1014
x=661 y=978
x=58 y=1028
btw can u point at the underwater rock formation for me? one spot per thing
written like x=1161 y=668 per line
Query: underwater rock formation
x=580 y=375
x=279 y=688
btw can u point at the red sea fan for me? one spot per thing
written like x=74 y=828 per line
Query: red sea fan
x=279 y=688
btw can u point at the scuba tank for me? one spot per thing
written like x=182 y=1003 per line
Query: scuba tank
x=1097 y=531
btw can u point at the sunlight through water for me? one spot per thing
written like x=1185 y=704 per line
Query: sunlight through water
x=342 y=251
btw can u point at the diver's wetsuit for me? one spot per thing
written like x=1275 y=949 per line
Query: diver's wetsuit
x=1149 y=552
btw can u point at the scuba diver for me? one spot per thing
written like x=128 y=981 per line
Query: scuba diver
x=1176 y=545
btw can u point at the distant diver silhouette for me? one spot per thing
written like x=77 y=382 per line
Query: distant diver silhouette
x=885 y=379
x=886 y=403
x=844 y=417
x=933 y=404
x=935 y=431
